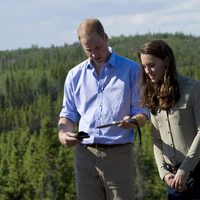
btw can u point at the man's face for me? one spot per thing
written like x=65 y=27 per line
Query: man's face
x=95 y=47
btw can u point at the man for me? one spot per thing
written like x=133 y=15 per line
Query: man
x=100 y=90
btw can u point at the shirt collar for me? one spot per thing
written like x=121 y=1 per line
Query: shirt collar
x=110 y=62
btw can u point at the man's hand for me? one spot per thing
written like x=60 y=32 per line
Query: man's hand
x=68 y=139
x=126 y=123
x=66 y=135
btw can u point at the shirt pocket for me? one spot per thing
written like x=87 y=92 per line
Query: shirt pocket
x=176 y=114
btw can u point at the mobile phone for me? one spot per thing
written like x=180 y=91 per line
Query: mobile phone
x=81 y=135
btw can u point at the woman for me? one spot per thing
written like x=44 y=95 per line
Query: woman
x=174 y=103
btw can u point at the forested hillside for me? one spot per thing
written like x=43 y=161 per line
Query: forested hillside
x=33 y=165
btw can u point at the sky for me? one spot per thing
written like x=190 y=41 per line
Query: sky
x=44 y=23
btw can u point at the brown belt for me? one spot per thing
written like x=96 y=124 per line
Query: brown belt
x=105 y=146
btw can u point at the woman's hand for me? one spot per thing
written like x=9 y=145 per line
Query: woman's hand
x=179 y=183
x=169 y=178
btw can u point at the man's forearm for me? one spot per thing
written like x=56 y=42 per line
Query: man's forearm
x=65 y=125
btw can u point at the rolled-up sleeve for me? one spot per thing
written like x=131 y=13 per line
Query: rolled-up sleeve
x=68 y=106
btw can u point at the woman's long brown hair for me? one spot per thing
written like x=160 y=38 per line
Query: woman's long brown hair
x=164 y=93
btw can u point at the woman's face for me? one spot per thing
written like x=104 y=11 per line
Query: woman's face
x=153 y=67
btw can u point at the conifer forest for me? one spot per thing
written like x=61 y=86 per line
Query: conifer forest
x=33 y=164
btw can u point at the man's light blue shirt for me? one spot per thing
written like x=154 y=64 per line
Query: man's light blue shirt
x=91 y=100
